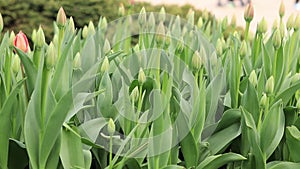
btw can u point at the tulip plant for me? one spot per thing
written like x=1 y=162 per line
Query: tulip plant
x=151 y=90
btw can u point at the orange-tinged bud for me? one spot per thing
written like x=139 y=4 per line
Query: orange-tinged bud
x=61 y=17
x=21 y=41
x=249 y=13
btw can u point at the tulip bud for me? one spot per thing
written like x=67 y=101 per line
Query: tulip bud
x=262 y=26
x=295 y=78
x=16 y=64
x=77 y=61
x=106 y=47
x=103 y=24
x=219 y=47
x=121 y=11
x=249 y=13
x=91 y=28
x=196 y=61
x=200 y=22
x=205 y=15
x=21 y=42
x=105 y=65
x=290 y=22
x=160 y=33
x=281 y=9
x=1 y=23
x=297 y=22
x=85 y=32
x=142 y=17
x=71 y=25
x=225 y=23
x=270 y=86
x=12 y=37
x=263 y=101
x=135 y=94
x=276 y=39
x=111 y=127
x=253 y=78
x=40 y=38
x=275 y=25
x=190 y=17
x=151 y=21
x=51 y=56
x=61 y=18
x=162 y=14
x=33 y=36
x=243 y=49
x=233 y=21
x=141 y=76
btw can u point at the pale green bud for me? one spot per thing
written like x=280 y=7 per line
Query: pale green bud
x=105 y=65
x=111 y=127
x=141 y=76
x=135 y=94
x=190 y=17
x=160 y=32
x=16 y=64
x=200 y=22
x=40 y=37
x=121 y=11
x=71 y=25
x=275 y=25
x=205 y=15
x=85 y=32
x=196 y=60
x=162 y=14
x=91 y=28
x=103 y=24
x=142 y=18
x=77 y=61
x=51 y=56
x=33 y=36
x=219 y=47
x=12 y=37
x=281 y=9
x=225 y=23
x=262 y=26
x=151 y=20
x=263 y=101
x=290 y=22
x=243 y=49
x=253 y=78
x=270 y=86
x=276 y=39
x=106 y=47
x=1 y=23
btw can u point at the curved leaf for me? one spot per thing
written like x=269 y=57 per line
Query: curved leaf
x=217 y=161
x=283 y=164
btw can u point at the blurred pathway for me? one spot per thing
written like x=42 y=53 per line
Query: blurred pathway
x=262 y=8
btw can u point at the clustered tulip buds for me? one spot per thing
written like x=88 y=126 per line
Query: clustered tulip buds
x=21 y=42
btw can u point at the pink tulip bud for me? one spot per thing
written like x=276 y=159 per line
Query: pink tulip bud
x=61 y=17
x=21 y=41
x=249 y=13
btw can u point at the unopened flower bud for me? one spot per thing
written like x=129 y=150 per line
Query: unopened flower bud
x=253 y=78
x=276 y=39
x=77 y=61
x=71 y=25
x=190 y=17
x=111 y=127
x=16 y=64
x=205 y=15
x=40 y=38
x=106 y=47
x=275 y=25
x=162 y=14
x=262 y=26
x=61 y=18
x=91 y=28
x=85 y=32
x=121 y=11
x=33 y=36
x=103 y=24
x=160 y=33
x=51 y=56
x=249 y=13
x=290 y=22
x=197 y=61
x=1 y=23
x=142 y=17
x=281 y=9
x=243 y=49
x=151 y=21
x=105 y=65
x=12 y=37
x=219 y=47
x=135 y=94
x=21 y=42
x=141 y=76
x=263 y=101
x=200 y=22
x=270 y=86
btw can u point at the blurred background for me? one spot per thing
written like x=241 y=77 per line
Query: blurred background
x=28 y=14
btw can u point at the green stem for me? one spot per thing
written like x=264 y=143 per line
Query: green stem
x=238 y=84
x=247 y=30
x=110 y=153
